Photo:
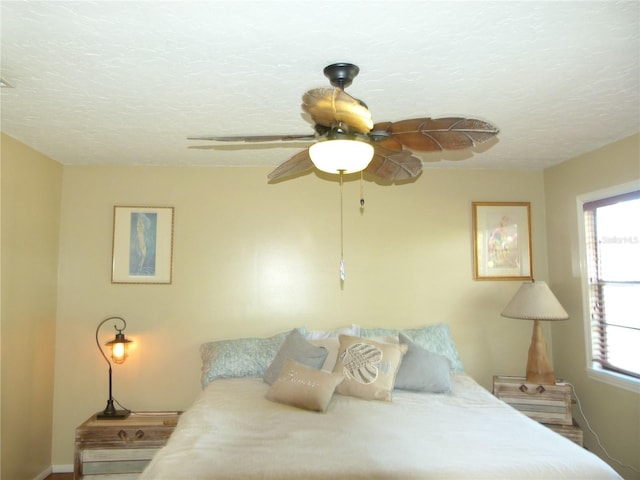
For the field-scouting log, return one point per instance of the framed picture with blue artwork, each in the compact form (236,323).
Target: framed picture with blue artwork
(502,241)
(142,245)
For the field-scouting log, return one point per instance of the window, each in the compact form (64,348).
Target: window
(612,241)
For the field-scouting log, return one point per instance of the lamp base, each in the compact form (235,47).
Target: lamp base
(110,412)
(539,368)
(114,415)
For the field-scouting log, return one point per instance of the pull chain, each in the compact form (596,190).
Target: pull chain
(341,229)
(361,191)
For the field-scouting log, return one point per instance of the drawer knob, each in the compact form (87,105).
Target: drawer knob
(524,389)
(124,436)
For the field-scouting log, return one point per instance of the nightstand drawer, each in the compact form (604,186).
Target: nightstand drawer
(116,460)
(116,435)
(543,403)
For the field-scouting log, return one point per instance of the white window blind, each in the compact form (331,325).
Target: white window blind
(612,228)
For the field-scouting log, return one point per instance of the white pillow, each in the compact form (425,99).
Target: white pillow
(353,330)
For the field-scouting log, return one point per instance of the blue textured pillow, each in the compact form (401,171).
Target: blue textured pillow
(297,348)
(435,338)
(240,357)
(422,370)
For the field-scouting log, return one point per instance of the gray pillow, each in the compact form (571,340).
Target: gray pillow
(422,370)
(295,347)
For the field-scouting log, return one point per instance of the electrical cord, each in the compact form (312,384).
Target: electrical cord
(596,436)
(120,405)
(154,413)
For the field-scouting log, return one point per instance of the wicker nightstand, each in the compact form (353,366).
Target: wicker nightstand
(547,404)
(120,448)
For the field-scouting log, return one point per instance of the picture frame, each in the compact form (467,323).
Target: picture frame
(142,245)
(502,241)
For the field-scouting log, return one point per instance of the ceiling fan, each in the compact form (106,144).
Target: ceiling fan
(338,116)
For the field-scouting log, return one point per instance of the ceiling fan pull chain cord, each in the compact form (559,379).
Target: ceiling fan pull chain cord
(341,229)
(361,190)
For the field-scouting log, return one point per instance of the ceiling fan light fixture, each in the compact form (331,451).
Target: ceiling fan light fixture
(346,156)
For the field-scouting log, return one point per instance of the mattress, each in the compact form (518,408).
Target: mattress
(233,432)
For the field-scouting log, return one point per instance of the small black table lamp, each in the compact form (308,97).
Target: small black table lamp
(118,355)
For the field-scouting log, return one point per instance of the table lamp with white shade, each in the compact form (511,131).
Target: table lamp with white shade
(535,301)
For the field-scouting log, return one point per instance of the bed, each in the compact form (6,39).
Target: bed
(247,423)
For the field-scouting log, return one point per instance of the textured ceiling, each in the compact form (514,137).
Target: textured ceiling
(126,82)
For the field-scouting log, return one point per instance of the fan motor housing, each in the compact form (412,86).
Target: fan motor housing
(341,74)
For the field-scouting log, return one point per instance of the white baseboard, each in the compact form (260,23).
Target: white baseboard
(62,468)
(42,475)
(54,469)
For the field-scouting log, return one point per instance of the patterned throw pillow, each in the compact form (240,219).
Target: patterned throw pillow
(369,367)
(239,357)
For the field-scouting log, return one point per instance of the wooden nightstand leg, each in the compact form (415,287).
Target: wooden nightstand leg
(77,465)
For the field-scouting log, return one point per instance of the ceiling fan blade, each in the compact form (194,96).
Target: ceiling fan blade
(393,165)
(328,106)
(234,147)
(384,138)
(435,134)
(299,163)
(257,138)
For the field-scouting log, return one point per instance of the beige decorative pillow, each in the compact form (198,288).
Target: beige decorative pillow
(304,387)
(369,367)
(333,345)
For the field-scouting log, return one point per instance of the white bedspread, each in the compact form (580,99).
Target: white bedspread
(233,432)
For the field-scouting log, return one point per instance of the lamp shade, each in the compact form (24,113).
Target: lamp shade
(118,347)
(535,301)
(347,156)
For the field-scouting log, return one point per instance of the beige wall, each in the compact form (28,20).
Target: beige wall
(252,258)
(31,190)
(613,412)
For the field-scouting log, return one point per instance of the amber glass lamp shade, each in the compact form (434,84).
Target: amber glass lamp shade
(118,348)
